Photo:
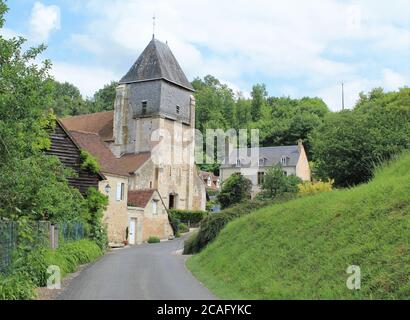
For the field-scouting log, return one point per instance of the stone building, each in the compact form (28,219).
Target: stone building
(292,159)
(150,138)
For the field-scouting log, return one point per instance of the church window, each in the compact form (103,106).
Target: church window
(144,107)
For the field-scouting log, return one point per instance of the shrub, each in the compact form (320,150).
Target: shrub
(30,271)
(188,216)
(16,286)
(277,185)
(183,228)
(154,239)
(191,245)
(212,225)
(307,188)
(235,189)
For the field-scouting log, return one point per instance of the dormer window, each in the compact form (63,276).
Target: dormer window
(261,162)
(178,109)
(284,161)
(144,107)
(238,163)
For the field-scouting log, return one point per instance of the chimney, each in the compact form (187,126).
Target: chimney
(300,145)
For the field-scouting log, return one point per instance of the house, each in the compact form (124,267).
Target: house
(211,181)
(148,216)
(292,159)
(146,143)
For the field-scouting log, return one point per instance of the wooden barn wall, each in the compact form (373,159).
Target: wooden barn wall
(69,155)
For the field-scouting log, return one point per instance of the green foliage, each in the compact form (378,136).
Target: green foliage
(188,216)
(89,163)
(16,287)
(104,98)
(259,97)
(154,239)
(94,205)
(235,189)
(37,187)
(309,188)
(183,228)
(191,245)
(213,224)
(276,184)
(303,247)
(350,144)
(30,271)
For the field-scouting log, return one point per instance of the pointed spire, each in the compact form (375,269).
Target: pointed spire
(153,26)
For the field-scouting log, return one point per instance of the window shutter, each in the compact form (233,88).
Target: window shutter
(118,195)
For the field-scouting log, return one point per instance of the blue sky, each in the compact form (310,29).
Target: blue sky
(297,48)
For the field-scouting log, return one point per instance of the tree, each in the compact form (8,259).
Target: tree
(104,98)
(259,96)
(349,144)
(235,189)
(67,99)
(276,184)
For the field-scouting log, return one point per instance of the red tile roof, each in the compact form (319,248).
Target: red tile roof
(100,123)
(132,162)
(140,198)
(92,143)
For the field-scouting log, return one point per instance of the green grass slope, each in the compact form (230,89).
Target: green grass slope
(301,249)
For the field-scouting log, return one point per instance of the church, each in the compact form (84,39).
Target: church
(145,147)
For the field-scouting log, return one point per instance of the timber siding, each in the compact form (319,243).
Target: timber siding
(64,147)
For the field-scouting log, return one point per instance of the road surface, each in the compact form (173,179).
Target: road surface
(146,272)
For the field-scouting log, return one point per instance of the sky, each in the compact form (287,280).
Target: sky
(297,48)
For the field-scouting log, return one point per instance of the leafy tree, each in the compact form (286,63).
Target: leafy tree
(259,96)
(276,184)
(235,189)
(67,99)
(350,144)
(104,98)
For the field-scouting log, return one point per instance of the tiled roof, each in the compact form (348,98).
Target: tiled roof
(92,143)
(157,62)
(140,198)
(132,162)
(100,123)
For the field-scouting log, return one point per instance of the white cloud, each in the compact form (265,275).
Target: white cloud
(263,40)
(88,78)
(44,19)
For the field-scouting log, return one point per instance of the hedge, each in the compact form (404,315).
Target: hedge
(189,216)
(212,224)
(30,271)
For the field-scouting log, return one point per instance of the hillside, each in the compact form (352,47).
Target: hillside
(301,249)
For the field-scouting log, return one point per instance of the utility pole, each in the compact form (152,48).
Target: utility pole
(343,96)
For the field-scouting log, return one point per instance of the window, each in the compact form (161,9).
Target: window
(261,177)
(238,163)
(120,192)
(154,207)
(144,107)
(209,182)
(284,160)
(178,109)
(261,162)
(285,173)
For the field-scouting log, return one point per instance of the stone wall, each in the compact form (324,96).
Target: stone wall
(116,214)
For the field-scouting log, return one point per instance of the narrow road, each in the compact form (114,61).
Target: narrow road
(146,272)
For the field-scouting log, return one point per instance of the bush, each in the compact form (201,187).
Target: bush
(154,239)
(89,163)
(235,189)
(183,228)
(30,271)
(308,188)
(191,245)
(188,216)
(16,287)
(212,225)
(277,185)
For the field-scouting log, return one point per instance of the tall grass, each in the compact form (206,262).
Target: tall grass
(301,249)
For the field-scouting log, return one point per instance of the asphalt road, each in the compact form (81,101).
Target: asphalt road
(146,272)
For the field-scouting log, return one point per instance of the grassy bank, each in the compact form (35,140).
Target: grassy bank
(301,249)
(30,272)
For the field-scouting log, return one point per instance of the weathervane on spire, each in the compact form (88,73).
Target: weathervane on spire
(153,26)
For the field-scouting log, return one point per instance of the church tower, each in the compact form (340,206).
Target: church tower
(156,95)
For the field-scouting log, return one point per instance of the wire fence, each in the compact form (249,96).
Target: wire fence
(35,234)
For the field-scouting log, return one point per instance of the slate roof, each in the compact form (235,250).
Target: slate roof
(92,143)
(157,62)
(270,155)
(100,123)
(140,198)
